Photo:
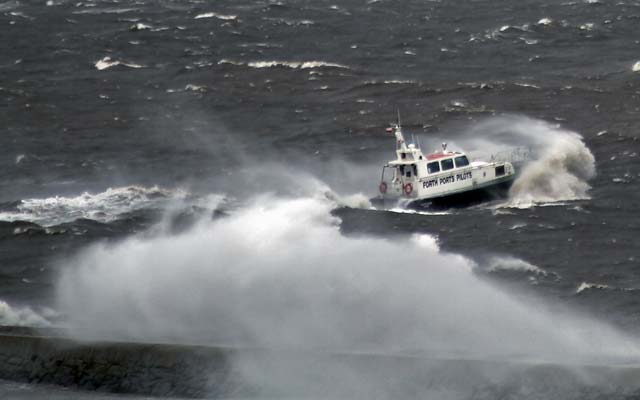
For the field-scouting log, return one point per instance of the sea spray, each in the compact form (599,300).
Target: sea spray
(559,165)
(279,273)
(20,316)
(560,172)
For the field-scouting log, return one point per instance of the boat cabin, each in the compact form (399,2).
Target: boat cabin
(414,175)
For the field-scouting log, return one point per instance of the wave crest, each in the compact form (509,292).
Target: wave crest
(104,207)
(279,273)
(20,316)
(559,173)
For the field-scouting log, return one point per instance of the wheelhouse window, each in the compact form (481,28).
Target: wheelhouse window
(433,167)
(447,164)
(461,161)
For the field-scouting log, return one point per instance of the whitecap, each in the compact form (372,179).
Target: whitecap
(545,21)
(528,85)
(588,26)
(105,206)
(560,171)
(20,316)
(139,27)
(402,210)
(587,286)
(106,10)
(216,15)
(636,67)
(529,41)
(285,64)
(231,62)
(513,264)
(195,88)
(9,5)
(108,62)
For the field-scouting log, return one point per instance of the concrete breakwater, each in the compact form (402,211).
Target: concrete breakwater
(200,371)
(136,368)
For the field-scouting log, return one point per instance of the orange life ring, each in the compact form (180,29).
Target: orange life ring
(383,187)
(408,188)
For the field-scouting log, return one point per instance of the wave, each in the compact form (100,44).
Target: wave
(108,62)
(216,15)
(513,264)
(104,207)
(20,316)
(402,210)
(560,172)
(392,82)
(285,64)
(103,10)
(557,166)
(279,273)
(587,286)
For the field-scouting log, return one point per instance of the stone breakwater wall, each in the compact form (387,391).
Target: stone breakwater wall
(48,357)
(135,368)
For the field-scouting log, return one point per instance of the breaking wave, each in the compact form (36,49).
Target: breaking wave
(513,264)
(108,62)
(216,15)
(278,272)
(558,167)
(587,286)
(560,172)
(285,64)
(104,207)
(20,316)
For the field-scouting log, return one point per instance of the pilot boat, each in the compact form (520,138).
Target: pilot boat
(441,179)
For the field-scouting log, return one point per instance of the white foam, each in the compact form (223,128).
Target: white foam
(588,26)
(507,263)
(195,88)
(586,286)
(104,207)
(545,21)
(560,171)
(108,62)
(20,316)
(392,82)
(553,164)
(401,210)
(518,226)
(140,27)
(216,15)
(285,64)
(636,67)
(94,10)
(294,64)
(278,272)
